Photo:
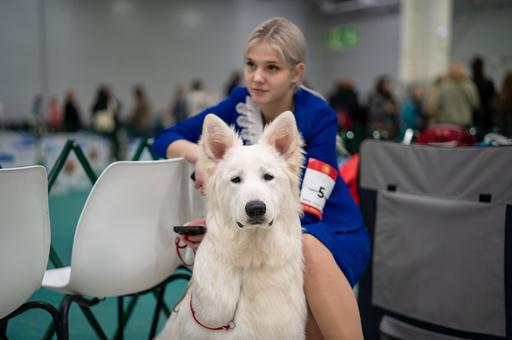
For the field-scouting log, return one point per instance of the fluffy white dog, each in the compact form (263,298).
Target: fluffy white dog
(248,274)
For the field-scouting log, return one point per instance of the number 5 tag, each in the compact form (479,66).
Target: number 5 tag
(317,186)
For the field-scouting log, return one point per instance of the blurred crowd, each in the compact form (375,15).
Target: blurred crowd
(468,100)
(108,116)
(462,98)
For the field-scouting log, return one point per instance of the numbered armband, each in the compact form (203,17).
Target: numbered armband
(319,180)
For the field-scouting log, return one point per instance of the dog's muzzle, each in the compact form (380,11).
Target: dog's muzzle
(255,211)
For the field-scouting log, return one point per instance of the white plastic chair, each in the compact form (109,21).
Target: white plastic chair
(24,240)
(124,242)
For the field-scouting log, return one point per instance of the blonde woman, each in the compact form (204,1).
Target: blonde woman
(335,241)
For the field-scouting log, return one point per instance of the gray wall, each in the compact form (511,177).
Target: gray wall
(377,52)
(485,28)
(479,27)
(20,68)
(157,43)
(49,45)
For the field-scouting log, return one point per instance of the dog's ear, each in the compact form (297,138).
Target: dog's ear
(217,137)
(283,135)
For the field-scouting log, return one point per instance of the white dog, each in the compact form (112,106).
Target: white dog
(248,274)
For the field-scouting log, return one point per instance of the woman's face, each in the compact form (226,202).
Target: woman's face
(387,86)
(270,80)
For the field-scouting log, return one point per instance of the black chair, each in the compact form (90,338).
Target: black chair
(440,221)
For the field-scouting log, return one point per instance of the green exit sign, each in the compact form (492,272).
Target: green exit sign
(342,37)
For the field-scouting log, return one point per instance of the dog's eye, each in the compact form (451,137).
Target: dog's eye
(236,179)
(268,177)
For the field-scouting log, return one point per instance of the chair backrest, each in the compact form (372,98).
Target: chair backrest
(440,220)
(124,242)
(24,234)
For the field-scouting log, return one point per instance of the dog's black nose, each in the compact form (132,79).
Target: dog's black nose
(255,209)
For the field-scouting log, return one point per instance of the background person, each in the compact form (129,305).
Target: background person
(335,240)
(344,100)
(105,118)
(72,120)
(54,115)
(197,99)
(412,115)
(483,118)
(234,81)
(503,104)
(383,108)
(179,105)
(456,98)
(141,117)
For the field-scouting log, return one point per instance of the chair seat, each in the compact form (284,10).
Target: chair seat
(58,280)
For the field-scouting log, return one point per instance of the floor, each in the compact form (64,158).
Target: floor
(64,212)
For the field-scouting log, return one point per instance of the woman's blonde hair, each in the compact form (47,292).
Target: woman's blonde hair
(282,35)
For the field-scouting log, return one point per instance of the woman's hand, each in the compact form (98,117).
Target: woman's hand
(199,179)
(193,241)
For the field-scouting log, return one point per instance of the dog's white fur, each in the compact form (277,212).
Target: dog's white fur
(253,273)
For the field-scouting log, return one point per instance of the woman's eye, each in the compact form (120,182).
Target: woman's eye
(250,64)
(273,68)
(236,179)
(268,177)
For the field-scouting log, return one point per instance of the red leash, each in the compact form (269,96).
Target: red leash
(226,327)
(179,249)
(230,325)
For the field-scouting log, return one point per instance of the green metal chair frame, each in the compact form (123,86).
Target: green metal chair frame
(28,306)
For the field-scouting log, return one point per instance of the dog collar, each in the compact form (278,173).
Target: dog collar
(230,325)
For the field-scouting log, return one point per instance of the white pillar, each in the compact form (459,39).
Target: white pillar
(425,37)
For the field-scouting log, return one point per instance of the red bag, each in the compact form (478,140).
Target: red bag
(349,171)
(447,135)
